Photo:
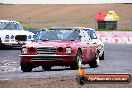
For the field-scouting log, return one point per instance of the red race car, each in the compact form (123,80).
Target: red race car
(60,47)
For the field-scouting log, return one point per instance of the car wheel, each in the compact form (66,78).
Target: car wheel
(102,57)
(0,41)
(25,67)
(1,44)
(81,80)
(77,62)
(47,68)
(95,62)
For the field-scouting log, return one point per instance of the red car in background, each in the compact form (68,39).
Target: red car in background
(60,47)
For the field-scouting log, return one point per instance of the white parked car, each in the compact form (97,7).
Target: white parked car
(12,34)
(93,35)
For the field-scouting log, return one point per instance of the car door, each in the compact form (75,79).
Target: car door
(86,47)
(92,44)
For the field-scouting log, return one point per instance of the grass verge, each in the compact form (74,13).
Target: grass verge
(30,28)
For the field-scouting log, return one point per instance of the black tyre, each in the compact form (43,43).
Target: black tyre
(102,57)
(95,62)
(0,41)
(47,68)
(81,80)
(0,44)
(78,59)
(25,67)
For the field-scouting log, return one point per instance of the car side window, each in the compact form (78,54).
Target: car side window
(85,36)
(2,25)
(10,26)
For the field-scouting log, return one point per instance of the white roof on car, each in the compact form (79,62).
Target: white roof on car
(63,28)
(8,21)
(90,29)
(67,27)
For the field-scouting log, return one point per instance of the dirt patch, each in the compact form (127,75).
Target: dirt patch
(63,11)
(43,15)
(61,82)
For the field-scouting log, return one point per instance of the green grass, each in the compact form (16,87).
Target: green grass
(23,21)
(30,28)
(35,28)
(37,21)
(30,21)
(5,4)
(44,21)
(82,22)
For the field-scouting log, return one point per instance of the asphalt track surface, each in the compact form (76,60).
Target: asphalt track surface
(118,59)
